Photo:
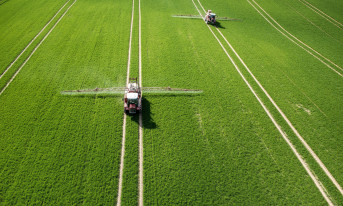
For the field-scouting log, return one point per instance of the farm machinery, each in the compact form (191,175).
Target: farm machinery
(132,93)
(209,18)
(132,97)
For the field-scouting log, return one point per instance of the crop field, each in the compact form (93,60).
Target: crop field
(267,128)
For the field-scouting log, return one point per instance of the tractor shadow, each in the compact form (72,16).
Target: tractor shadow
(218,25)
(148,121)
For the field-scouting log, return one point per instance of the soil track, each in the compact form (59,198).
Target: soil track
(283,134)
(14,61)
(296,41)
(35,49)
(122,156)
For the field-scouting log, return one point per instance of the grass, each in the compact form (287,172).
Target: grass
(215,148)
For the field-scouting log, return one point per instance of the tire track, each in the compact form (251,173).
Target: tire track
(141,154)
(122,156)
(295,36)
(322,14)
(27,46)
(311,22)
(296,41)
(35,49)
(314,178)
(308,148)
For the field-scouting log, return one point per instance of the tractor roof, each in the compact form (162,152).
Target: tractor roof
(132,95)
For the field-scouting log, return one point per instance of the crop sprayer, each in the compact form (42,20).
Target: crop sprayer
(132,93)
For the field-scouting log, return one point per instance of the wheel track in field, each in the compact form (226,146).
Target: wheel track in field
(141,154)
(29,44)
(296,41)
(140,121)
(314,24)
(322,14)
(314,178)
(308,148)
(122,156)
(35,49)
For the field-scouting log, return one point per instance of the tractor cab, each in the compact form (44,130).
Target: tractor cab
(132,101)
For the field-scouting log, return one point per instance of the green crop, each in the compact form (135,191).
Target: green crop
(217,147)
(57,149)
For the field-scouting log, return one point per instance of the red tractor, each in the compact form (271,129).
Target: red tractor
(132,97)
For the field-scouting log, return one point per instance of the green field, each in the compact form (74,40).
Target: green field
(216,148)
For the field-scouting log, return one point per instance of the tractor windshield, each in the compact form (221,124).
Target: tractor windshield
(132,101)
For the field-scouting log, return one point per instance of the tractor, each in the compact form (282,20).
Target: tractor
(132,97)
(210,17)
(132,93)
